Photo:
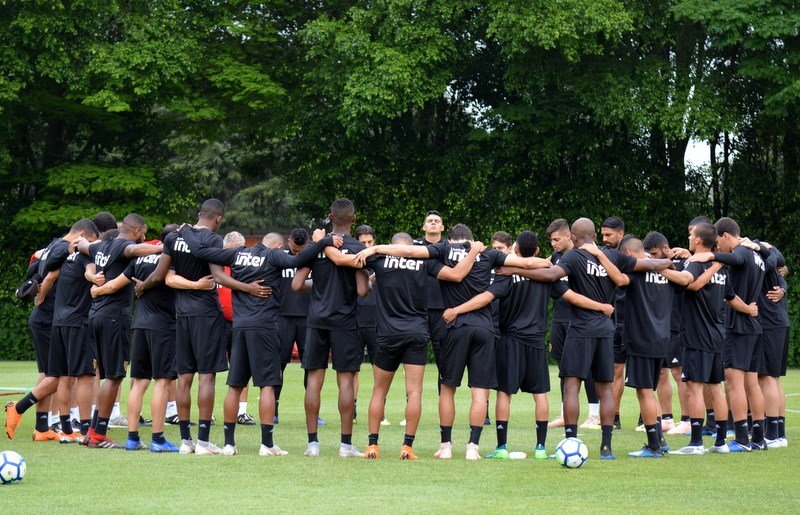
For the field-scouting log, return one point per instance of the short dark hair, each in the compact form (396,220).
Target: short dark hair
(707,234)
(727,225)
(167,229)
(626,242)
(654,239)
(212,208)
(134,221)
(104,221)
(459,232)
(702,219)
(557,225)
(503,237)
(86,226)
(613,222)
(361,230)
(433,212)
(110,234)
(402,238)
(527,243)
(299,236)
(342,210)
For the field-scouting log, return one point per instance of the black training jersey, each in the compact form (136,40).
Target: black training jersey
(477,281)
(562,312)
(366,313)
(701,316)
(333,291)
(435,300)
(52,258)
(648,305)
(190,303)
(73,298)
(523,308)
(590,279)
(293,303)
(773,314)
(747,277)
(109,258)
(677,301)
(155,309)
(402,302)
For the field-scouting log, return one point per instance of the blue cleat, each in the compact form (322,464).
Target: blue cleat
(646,452)
(134,445)
(163,447)
(606,454)
(708,432)
(760,446)
(275,420)
(321,422)
(735,446)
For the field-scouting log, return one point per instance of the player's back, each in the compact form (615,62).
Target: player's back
(187,265)
(333,293)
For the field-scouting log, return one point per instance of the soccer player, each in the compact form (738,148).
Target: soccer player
(48,268)
(613,230)
(521,357)
(366,316)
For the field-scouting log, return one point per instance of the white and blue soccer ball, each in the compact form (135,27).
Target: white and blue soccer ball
(12,467)
(572,453)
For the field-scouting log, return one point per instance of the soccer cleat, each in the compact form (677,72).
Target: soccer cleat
(321,422)
(785,441)
(206,448)
(735,446)
(56,428)
(275,420)
(271,451)
(617,424)
(134,445)
(709,431)
(102,442)
(88,436)
(76,424)
(760,446)
(145,422)
(540,453)
(719,449)
(403,423)
(445,451)
(385,422)
(312,451)
(167,446)
(556,422)
(70,438)
(407,453)
(12,419)
(245,419)
(500,453)
(173,420)
(118,422)
(487,422)
(681,428)
(776,443)
(45,436)
(591,422)
(664,445)
(646,452)
(373,452)
(230,450)
(349,451)
(474,452)
(187,447)
(667,424)
(640,428)
(689,450)
(607,454)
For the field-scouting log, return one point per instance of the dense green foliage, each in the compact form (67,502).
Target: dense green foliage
(501,114)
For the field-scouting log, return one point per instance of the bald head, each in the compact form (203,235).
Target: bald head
(273,240)
(402,238)
(583,231)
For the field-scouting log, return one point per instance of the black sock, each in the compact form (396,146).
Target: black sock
(159,437)
(591,391)
(373,439)
(25,403)
(710,421)
(347,439)
(781,427)
(502,432)
(697,431)
(685,418)
(666,416)
(102,425)
(730,420)
(133,435)
(570,430)
(652,437)
(541,432)
(659,431)
(266,435)
(408,440)
(475,434)
(758,430)
(722,431)
(772,428)
(639,423)
(607,432)
(186,432)
(312,437)
(740,427)
(203,430)
(355,409)
(749,422)
(229,429)
(617,420)
(446,433)
(94,419)
(86,423)
(66,425)
(42,418)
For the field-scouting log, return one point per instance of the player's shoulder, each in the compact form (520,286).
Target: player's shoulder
(352,244)
(170,238)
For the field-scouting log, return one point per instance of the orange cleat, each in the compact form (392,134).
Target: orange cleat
(69,438)
(407,453)
(12,419)
(45,436)
(102,442)
(373,452)
(88,436)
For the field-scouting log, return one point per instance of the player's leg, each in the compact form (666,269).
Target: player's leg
(209,346)
(315,363)
(558,333)
(481,363)
(454,355)
(141,373)
(135,400)
(414,376)
(509,365)
(230,409)
(382,381)
(755,400)
(593,419)
(664,393)
(264,350)
(620,357)
(347,354)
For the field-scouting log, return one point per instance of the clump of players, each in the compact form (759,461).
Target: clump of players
(633,313)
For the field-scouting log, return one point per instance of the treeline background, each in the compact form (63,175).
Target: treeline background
(502,114)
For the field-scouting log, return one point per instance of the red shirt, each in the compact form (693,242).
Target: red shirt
(225,299)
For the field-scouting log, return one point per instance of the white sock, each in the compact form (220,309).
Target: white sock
(52,418)
(594,409)
(74,413)
(242,408)
(115,412)
(172,409)
(94,407)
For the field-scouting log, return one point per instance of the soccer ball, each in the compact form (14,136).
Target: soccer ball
(572,453)
(12,467)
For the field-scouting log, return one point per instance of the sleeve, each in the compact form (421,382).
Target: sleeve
(781,260)
(438,251)
(57,256)
(558,289)
(496,257)
(500,287)
(729,293)
(771,259)
(696,269)
(624,263)
(166,247)
(730,258)
(130,270)
(565,262)
(304,258)
(434,267)
(208,251)
(33,268)
(782,283)
(373,260)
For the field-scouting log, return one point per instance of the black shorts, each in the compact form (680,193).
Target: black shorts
(200,345)
(153,354)
(620,348)
(701,366)
(367,337)
(586,357)
(71,352)
(408,349)
(641,372)
(785,359)
(292,331)
(41,334)
(521,367)
(742,351)
(675,351)
(558,332)
(436,329)
(112,343)
(256,353)
(344,347)
(471,348)
(773,343)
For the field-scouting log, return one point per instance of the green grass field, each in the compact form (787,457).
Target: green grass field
(73,478)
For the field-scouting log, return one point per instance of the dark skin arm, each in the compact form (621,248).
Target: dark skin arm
(254,288)
(155,278)
(542,275)
(299,282)
(704,278)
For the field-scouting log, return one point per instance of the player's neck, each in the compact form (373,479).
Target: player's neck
(433,238)
(341,229)
(700,249)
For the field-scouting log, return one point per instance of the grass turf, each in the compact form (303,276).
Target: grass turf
(70,478)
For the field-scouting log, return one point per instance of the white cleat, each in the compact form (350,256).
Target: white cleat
(349,451)
(187,447)
(272,451)
(312,451)
(385,422)
(640,428)
(785,442)
(681,428)
(230,450)
(689,450)
(445,451)
(776,443)
(591,422)
(719,449)
(667,425)
(120,421)
(473,452)
(403,423)
(203,448)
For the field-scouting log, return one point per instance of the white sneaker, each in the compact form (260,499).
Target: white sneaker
(719,449)
(473,452)
(312,451)
(120,421)
(683,427)
(689,450)
(445,451)
(591,422)
(385,422)
(271,451)
(640,428)
(403,422)
(187,447)
(776,443)
(667,424)
(230,450)
(785,442)
(206,448)
(349,451)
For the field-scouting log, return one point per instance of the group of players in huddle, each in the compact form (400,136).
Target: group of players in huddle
(636,309)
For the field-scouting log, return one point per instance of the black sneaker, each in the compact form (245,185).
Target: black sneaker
(617,423)
(759,446)
(76,424)
(245,419)
(606,454)
(56,427)
(173,420)
(146,422)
